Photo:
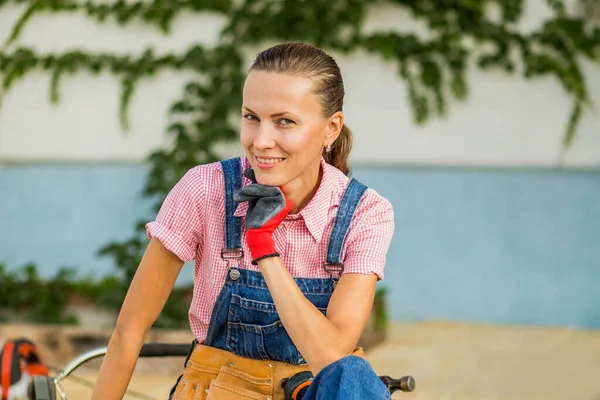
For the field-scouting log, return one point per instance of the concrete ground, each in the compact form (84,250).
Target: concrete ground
(463,362)
(479,362)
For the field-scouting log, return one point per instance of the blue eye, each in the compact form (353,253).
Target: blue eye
(285,121)
(250,117)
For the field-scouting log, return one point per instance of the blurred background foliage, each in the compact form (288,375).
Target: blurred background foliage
(461,33)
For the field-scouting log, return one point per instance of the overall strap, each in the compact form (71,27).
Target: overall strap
(350,200)
(232,174)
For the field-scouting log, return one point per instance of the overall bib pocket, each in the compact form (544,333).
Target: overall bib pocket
(254,330)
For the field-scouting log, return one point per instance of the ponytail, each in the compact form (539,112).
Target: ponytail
(340,150)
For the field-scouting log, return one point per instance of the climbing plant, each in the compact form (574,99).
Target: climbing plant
(435,67)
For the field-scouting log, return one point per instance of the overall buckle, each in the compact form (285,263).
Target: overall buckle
(232,254)
(333,267)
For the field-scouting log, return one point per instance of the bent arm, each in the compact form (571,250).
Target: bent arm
(325,339)
(321,339)
(145,299)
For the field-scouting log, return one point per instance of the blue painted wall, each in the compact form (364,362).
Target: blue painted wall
(60,215)
(518,247)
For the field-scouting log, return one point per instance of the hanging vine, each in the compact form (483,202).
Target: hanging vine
(159,13)
(434,68)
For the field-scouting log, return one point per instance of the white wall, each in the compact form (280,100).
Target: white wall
(506,121)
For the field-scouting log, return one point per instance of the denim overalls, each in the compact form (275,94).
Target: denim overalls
(245,322)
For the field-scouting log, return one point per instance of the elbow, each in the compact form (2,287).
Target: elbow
(126,343)
(129,334)
(322,362)
(331,355)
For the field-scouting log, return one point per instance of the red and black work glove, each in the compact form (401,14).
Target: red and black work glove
(267,207)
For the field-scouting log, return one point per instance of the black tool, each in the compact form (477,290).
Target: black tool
(296,386)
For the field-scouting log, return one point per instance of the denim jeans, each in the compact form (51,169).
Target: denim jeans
(347,379)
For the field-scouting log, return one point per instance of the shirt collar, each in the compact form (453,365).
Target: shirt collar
(242,208)
(315,214)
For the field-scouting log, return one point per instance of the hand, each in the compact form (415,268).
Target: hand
(267,207)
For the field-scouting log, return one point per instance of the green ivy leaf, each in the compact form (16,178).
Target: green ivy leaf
(19,25)
(572,125)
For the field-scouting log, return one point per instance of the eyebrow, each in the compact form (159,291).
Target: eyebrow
(279,114)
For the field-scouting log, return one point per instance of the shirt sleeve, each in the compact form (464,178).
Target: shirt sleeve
(179,224)
(370,237)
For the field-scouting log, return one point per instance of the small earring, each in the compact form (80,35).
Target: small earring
(328,148)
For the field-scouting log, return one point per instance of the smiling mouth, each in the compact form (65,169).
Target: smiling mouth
(271,161)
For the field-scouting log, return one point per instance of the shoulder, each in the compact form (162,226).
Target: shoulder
(373,212)
(372,204)
(370,231)
(206,179)
(201,175)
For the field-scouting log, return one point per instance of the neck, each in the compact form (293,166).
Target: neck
(302,189)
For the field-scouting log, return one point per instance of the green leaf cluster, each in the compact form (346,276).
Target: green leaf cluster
(27,296)
(23,292)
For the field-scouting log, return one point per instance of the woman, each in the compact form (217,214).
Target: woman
(287,250)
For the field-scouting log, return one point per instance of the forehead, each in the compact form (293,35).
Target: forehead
(275,92)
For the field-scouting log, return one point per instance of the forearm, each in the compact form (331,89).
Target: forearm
(117,366)
(144,301)
(319,340)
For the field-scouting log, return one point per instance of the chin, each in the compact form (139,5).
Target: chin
(268,180)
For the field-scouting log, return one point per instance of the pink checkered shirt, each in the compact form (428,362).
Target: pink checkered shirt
(191,224)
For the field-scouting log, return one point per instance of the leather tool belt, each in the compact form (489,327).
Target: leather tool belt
(215,374)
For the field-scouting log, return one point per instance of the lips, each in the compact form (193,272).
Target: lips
(269,160)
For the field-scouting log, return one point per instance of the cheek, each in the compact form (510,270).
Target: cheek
(246,135)
(301,141)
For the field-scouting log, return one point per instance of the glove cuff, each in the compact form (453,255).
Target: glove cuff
(255,261)
(261,245)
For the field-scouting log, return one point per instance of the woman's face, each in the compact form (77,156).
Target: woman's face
(283,129)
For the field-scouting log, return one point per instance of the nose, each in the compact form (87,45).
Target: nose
(265,137)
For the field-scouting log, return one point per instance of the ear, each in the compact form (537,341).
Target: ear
(334,127)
